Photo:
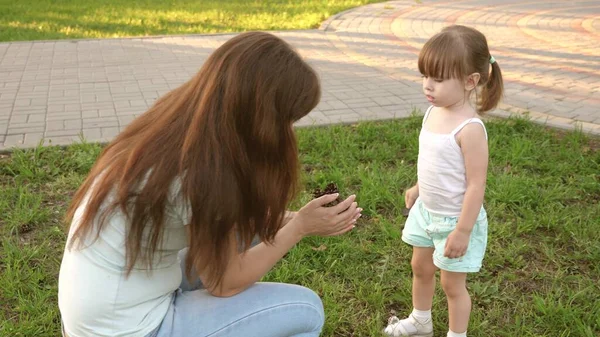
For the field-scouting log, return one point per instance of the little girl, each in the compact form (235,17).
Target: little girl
(447,224)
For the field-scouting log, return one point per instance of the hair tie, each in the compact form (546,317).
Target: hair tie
(492,60)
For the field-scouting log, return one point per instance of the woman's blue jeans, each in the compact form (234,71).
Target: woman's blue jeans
(263,310)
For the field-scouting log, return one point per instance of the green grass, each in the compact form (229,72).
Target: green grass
(541,273)
(69,19)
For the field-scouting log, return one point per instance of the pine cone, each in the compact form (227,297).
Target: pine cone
(329,189)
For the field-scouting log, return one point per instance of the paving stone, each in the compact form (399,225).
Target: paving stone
(366,58)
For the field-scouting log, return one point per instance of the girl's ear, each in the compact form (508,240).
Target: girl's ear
(472,81)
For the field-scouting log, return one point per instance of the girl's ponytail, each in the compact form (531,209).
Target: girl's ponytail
(492,90)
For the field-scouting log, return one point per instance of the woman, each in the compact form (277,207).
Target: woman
(212,165)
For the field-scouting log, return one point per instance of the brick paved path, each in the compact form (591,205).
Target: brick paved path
(549,53)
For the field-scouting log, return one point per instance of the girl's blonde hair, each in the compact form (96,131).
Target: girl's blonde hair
(458,51)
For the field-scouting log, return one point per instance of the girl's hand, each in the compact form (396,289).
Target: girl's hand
(456,244)
(315,219)
(411,196)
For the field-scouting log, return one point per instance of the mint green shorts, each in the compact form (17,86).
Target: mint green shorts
(426,229)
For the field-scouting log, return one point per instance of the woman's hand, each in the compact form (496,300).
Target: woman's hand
(244,269)
(316,219)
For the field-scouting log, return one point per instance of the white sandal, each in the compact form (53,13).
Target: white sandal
(408,327)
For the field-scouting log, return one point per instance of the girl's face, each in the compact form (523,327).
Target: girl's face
(444,93)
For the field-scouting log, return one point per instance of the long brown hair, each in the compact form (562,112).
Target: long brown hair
(458,51)
(227,135)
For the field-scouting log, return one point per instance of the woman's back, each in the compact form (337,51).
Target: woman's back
(95,295)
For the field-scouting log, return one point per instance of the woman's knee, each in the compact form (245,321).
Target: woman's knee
(304,305)
(316,302)
(292,310)
(307,304)
(265,309)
